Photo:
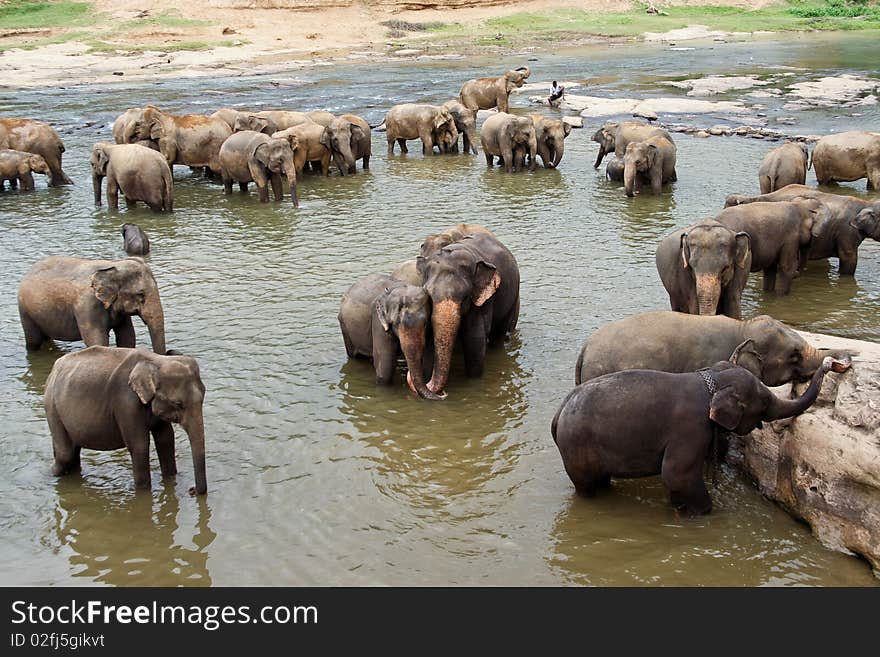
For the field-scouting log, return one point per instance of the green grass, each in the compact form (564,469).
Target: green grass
(32,14)
(96,46)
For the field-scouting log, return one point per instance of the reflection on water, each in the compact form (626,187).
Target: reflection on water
(317,476)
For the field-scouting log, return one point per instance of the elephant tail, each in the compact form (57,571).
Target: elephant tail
(577,368)
(810,161)
(169,194)
(555,421)
(378,128)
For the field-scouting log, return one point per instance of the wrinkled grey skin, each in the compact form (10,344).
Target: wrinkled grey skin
(80,299)
(615,137)
(19,167)
(348,140)
(850,222)
(486,93)
(550,135)
(434,125)
(140,173)
(668,341)
(380,317)
(408,272)
(651,161)
(39,138)
(466,124)
(250,156)
(106,398)
(848,156)
(510,138)
(704,268)
(614,169)
(640,423)
(193,140)
(134,240)
(784,165)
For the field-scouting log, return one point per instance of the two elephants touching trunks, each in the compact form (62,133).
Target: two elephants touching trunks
(463,289)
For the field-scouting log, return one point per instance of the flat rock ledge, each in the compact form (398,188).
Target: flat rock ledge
(824,466)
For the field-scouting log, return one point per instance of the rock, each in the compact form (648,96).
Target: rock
(786,120)
(646,113)
(573,121)
(118,73)
(719,130)
(822,466)
(717,84)
(228,30)
(702,134)
(403,52)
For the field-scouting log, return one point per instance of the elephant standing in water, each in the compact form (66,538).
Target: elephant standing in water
(850,222)
(434,125)
(125,129)
(134,240)
(380,317)
(307,142)
(19,167)
(250,156)
(107,398)
(474,289)
(38,138)
(615,137)
(704,268)
(142,174)
(668,341)
(509,138)
(348,140)
(486,93)
(190,139)
(408,272)
(466,124)
(550,135)
(784,165)
(80,299)
(652,162)
(640,423)
(848,156)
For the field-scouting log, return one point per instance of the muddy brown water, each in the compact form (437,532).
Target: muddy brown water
(318,476)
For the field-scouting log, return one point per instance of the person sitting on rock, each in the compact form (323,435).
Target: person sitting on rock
(556,92)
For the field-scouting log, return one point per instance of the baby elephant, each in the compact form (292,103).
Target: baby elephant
(135,241)
(639,423)
(107,398)
(250,156)
(379,318)
(141,173)
(19,167)
(614,169)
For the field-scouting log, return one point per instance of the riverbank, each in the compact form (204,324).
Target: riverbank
(70,42)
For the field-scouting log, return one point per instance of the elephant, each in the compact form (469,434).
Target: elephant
(848,156)
(107,398)
(81,299)
(509,137)
(321,117)
(551,134)
(466,124)
(615,137)
(348,139)
(140,173)
(249,156)
(780,236)
(784,165)
(239,120)
(434,125)
(650,161)
(32,136)
(408,272)
(669,341)
(125,129)
(19,167)
(380,317)
(639,423)
(190,139)
(305,141)
(614,169)
(474,290)
(284,119)
(486,93)
(851,220)
(704,268)
(134,240)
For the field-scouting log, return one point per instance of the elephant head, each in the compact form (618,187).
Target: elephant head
(445,132)
(806,154)
(173,388)
(128,288)
(338,137)
(867,221)
(456,279)
(638,161)
(515,78)
(99,160)
(521,133)
(604,136)
(37,164)
(714,254)
(742,403)
(405,312)
(551,134)
(276,155)
(255,123)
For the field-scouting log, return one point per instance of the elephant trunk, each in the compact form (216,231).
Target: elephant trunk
(813,358)
(472,138)
(708,293)
(600,156)
(445,319)
(97,180)
(629,179)
(779,409)
(290,172)
(154,317)
(195,429)
(558,152)
(412,343)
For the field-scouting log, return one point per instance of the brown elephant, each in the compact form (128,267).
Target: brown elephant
(407,271)
(551,134)
(779,237)
(651,161)
(848,156)
(704,268)
(190,139)
(850,222)
(140,173)
(305,141)
(80,299)
(321,117)
(466,124)
(615,137)
(250,156)
(19,167)
(125,129)
(434,125)
(784,165)
(509,138)
(239,120)
(348,139)
(284,119)
(486,93)
(32,136)
(107,398)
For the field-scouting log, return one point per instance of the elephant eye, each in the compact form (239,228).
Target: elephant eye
(795,357)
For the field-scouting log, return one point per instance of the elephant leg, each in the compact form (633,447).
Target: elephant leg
(27,182)
(243,187)
(770,278)
(848,260)
(803,256)
(490,159)
(163,437)
(125,336)
(264,192)
(391,141)
(657,180)
(112,192)
(277,188)
(227,183)
(130,202)
(507,156)
(33,336)
(365,162)
(583,468)
(682,473)
(474,332)
(325,164)
(787,269)
(65,452)
(138,447)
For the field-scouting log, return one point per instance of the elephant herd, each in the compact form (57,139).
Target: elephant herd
(660,408)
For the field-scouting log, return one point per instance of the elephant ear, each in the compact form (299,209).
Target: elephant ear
(743,249)
(381,313)
(421,266)
(325,138)
(357,132)
(685,249)
(487,280)
(651,155)
(725,408)
(101,160)
(746,356)
(566,128)
(440,119)
(106,284)
(261,154)
(143,379)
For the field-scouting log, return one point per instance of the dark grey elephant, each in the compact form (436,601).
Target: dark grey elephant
(134,240)
(250,156)
(348,140)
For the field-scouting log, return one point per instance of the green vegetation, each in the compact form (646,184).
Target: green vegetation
(33,14)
